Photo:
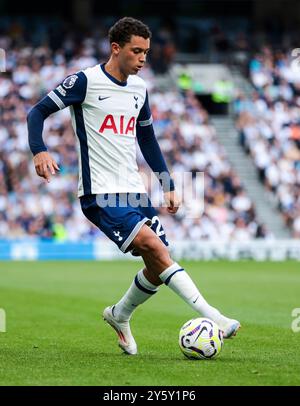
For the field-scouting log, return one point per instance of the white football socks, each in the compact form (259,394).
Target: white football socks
(140,291)
(180,282)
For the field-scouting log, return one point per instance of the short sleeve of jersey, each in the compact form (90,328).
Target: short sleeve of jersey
(71,91)
(145,117)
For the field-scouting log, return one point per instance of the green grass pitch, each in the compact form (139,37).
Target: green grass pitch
(55,335)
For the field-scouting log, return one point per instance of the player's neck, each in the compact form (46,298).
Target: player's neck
(114,70)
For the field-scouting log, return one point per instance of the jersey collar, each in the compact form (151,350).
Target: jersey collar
(116,81)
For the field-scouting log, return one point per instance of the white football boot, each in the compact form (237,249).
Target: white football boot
(126,340)
(230,328)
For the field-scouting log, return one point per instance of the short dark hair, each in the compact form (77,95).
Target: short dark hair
(123,29)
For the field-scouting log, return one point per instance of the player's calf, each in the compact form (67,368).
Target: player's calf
(155,254)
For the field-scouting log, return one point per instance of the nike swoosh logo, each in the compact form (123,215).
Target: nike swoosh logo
(103,98)
(196,300)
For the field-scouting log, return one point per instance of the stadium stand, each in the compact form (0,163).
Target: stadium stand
(269,128)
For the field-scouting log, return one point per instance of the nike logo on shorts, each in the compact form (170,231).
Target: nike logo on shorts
(103,98)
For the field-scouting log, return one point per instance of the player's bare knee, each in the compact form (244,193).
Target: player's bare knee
(157,250)
(146,244)
(143,238)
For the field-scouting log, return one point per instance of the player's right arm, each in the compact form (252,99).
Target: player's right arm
(71,91)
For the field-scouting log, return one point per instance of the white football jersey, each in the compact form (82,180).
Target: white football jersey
(104,114)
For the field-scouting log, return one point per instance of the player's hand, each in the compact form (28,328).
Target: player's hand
(45,165)
(173,201)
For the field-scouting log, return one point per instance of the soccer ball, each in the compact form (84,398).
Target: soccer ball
(200,338)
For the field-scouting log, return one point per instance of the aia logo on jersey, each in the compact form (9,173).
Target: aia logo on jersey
(118,125)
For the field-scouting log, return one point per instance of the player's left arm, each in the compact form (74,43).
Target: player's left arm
(153,156)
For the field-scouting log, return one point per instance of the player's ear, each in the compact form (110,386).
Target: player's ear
(115,48)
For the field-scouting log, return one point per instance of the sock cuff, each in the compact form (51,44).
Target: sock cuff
(143,284)
(168,273)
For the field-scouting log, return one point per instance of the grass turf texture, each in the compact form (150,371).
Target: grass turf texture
(55,335)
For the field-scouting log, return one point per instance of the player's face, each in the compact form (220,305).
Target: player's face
(132,56)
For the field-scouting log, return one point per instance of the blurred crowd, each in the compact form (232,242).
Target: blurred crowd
(190,145)
(269,126)
(31,208)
